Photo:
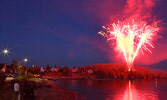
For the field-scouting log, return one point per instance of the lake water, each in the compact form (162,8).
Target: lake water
(116,89)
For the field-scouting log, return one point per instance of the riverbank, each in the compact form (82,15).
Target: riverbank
(71,78)
(50,91)
(44,89)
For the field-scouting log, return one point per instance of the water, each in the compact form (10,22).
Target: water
(117,89)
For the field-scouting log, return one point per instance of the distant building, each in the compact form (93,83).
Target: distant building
(3,67)
(52,69)
(45,70)
(74,70)
(3,70)
(55,69)
(90,71)
(42,70)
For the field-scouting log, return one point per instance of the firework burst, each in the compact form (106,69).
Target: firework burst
(130,37)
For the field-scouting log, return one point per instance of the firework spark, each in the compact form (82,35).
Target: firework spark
(130,37)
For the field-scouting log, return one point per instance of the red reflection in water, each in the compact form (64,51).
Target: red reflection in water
(131,93)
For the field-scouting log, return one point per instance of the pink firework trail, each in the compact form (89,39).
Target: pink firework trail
(131,37)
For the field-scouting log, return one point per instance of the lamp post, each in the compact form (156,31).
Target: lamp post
(26,61)
(5,51)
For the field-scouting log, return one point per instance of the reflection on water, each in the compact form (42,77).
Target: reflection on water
(116,89)
(131,93)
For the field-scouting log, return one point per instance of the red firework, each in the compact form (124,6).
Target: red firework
(131,37)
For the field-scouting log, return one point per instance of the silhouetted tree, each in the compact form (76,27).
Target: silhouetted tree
(60,69)
(55,66)
(48,68)
(66,71)
(16,65)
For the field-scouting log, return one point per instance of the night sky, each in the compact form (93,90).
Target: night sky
(64,32)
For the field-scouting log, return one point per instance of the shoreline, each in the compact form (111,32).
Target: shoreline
(45,90)
(50,91)
(98,79)
(72,78)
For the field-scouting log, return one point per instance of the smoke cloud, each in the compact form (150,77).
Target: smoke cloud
(140,7)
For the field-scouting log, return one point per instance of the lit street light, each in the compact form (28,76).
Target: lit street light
(25,60)
(5,52)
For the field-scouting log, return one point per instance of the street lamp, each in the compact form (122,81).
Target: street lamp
(25,60)
(5,52)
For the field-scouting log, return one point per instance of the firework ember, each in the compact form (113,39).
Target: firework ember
(131,37)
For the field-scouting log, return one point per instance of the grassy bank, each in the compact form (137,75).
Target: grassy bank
(50,91)
(43,89)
